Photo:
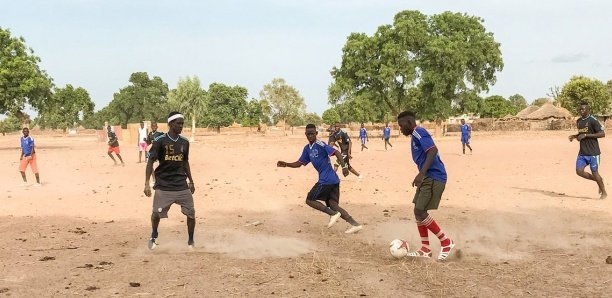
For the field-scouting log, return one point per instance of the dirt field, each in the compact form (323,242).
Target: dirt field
(523,222)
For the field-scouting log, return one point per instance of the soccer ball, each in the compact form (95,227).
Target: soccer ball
(398,248)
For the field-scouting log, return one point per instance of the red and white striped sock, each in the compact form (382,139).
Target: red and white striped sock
(431,224)
(423,232)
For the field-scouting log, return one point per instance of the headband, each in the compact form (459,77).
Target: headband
(174,117)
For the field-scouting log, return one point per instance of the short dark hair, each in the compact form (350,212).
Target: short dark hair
(173,113)
(584,103)
(153,122)
(406,114)
(310,125)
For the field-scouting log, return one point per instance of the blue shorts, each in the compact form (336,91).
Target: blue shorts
(363,140)
(465,140)
(584,160)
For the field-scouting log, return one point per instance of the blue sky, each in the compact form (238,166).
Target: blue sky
(97,44)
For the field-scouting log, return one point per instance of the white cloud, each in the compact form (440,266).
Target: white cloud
(570,58)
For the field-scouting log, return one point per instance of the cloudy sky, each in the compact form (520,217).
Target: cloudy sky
(97,44)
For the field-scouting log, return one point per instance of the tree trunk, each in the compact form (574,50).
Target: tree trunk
(438,130)
(193,128)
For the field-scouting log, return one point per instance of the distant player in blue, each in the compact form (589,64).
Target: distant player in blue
(28,157)
(589,130)
(363,136)
(327,189)
(430,183)
(387,135)
(466,135)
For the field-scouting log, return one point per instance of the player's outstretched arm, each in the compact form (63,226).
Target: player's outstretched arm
(148,172)
(284,164)
(340,161)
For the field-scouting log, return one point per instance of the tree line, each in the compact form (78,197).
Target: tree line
(436,65)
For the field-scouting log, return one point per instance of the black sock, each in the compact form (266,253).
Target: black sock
(352,222)
(190,229)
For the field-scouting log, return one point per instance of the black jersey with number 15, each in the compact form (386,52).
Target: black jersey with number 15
(172,154)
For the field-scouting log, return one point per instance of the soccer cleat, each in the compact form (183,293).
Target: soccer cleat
(444,254)
(190,245)
(354,229)
(152,243)
(24,184)
(37,184)
(333,219)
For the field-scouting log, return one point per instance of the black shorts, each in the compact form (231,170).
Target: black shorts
(324,192)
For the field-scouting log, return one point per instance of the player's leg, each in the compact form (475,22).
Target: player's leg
(389,142)
(334,203)
(34,167)
(437,188)
(110,154)
(581,163)
(185,199)
(320,192)
(421,198)
(120,159)
(23,164)
(463,147)
(161,204)
(469,147)
(594,164)
(139,156)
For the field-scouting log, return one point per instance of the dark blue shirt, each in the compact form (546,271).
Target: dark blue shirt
(318,153)
(387,132)
(465,130)
(421,143)
(27,145)
(362,133)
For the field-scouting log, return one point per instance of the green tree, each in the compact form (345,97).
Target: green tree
(495,106)
(10,124)
(21,79)
(285,101)
(330,116)
(253,115)
(67,107)
(441,55)
(188,98)
(141,100)
(312,118)
(581,88)
(541,101)
(517,103)
(224,105)
(468,102)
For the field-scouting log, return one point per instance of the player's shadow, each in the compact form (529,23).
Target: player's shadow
(553,194)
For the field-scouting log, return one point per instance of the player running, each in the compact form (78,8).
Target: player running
(430,183)
(466,135)
(113,146)
(346,145)
(171,187)
(589,130)
(28,157)
(327,189)
(363,136)
(387,135)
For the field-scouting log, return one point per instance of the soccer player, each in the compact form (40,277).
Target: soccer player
(171,187)
(430,183)
(346,145)
(327,189)
(589,130)
(363,136)
(113,146)
(387,135)
(28,156)
(142,141)
(466,135)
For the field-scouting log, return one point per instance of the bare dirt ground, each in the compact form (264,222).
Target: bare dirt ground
(524,223)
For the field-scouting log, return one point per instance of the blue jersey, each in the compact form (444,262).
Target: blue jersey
(27,145)
(465,130)
(421,143)
(362,133)
(387,132)
(318,153)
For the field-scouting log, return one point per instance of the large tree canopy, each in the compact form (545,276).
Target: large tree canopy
(21,79)
(141,100)
(441,55)
(188,98)
(592,91)
(225,105)
(66,108)
(285,101)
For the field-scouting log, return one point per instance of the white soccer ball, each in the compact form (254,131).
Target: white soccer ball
(398,248)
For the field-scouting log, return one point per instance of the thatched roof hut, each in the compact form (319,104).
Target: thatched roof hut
(549,111)
(526,111)
(508,117)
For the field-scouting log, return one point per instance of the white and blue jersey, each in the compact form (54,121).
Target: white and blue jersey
(421,143)
(387,132)
(27,145)
(318,154)
(465,133)
(363,133)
